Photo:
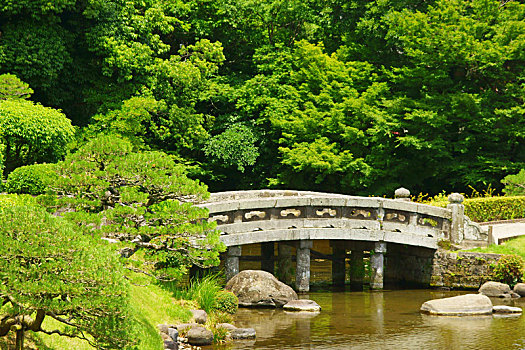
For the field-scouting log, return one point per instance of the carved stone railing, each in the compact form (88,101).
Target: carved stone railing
(275,215)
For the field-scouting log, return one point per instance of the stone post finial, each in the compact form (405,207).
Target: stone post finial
(456,198)
(458,217)
(402,194)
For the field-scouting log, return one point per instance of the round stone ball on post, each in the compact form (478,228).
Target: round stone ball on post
(402,194)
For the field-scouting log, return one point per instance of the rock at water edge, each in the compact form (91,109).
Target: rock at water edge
(227,326)
(260,288)
(504,309)
(494,289)
(199,336)
(520,289)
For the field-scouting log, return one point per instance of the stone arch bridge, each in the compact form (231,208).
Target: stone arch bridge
(357,224)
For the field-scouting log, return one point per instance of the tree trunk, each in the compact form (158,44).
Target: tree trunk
(19,343)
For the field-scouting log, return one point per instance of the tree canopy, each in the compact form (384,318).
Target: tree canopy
(32,133)
(143,198)
(341,96)
(49,269)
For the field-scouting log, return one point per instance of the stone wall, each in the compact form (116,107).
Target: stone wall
(462,270)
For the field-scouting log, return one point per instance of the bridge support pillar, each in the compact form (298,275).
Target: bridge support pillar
(284,263)
(377,261)
(267,257)
(357,270)
(302,271)
(232,261)
(338,263)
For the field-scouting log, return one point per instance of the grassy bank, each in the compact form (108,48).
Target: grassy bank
(151,305)
(514,246)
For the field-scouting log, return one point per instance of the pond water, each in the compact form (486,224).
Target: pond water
(378,320)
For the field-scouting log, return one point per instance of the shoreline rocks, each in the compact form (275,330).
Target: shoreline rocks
(497,290)
(520,289)
(199,316)
(199,336)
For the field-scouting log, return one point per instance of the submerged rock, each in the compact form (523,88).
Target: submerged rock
(260,288)
(242,333)
(463,305)
(302,305)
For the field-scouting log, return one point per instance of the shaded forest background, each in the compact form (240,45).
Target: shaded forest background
(357,97)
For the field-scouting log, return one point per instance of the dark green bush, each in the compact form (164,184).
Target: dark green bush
(510,269)
(30,179)
(226,301)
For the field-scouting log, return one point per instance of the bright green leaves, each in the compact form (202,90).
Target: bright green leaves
(235,147)
(32,133)
(328,113)
(458,88)
(48,267)
(36,51)
(141,196)
(12,88)
(514,184)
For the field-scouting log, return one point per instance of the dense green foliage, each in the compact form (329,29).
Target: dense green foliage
(30,179)
(32,133)
(515,184)
(143,197)
(49,269)
(510,269)
(12,88)
(351,96)
(226,301)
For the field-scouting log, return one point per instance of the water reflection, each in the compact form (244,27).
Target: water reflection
(378,320)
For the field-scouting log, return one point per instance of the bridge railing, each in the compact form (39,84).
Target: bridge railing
(276,210)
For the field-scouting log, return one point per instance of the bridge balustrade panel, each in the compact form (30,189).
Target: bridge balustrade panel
(262,216)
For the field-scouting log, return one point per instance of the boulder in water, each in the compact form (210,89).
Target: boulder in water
(302,305)
(260,288)
(463,305)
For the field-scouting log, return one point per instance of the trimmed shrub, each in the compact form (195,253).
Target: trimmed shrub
(30,179)
(495,208)
(510,269)
(484,209)
(226,301)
